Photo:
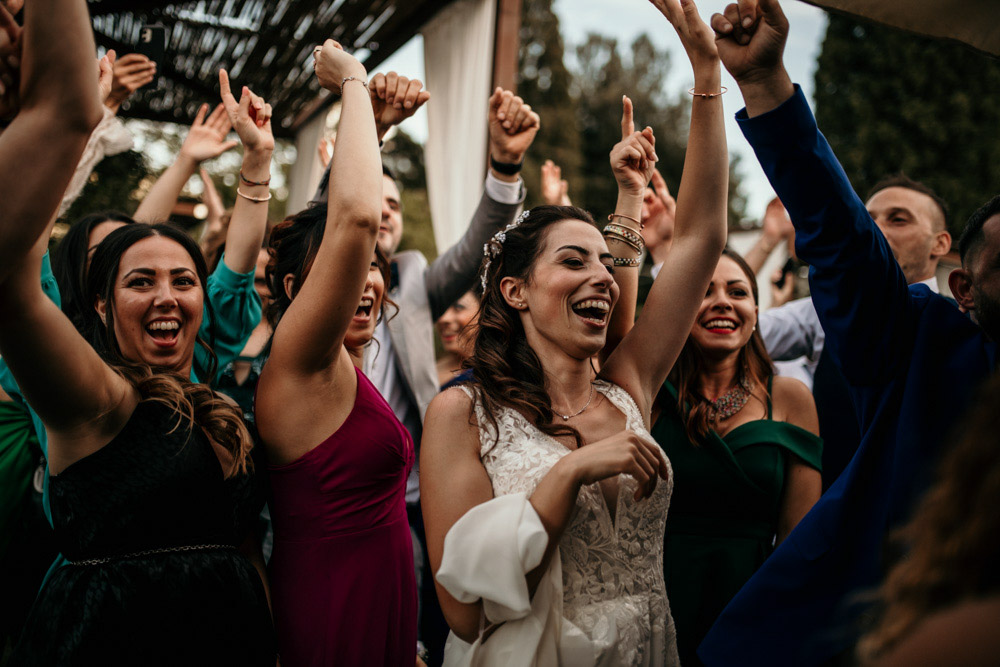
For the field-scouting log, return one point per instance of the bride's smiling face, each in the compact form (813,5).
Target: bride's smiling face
(570,292)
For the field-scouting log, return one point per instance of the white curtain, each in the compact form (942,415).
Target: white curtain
(305,173)
(458,65)
(971,21)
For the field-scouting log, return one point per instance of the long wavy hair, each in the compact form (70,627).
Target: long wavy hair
(69,265)
(293,246)
(507,371)
(220,420)
(753,366)
(953,541)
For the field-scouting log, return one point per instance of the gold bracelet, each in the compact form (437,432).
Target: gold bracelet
(612,217)
(622,231)
(256,200)
(708,96)
(623,241)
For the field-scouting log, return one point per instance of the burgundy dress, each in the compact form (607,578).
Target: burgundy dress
(342,581)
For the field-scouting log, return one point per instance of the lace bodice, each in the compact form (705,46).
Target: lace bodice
(613,586)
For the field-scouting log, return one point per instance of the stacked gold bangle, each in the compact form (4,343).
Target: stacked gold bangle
(627,236)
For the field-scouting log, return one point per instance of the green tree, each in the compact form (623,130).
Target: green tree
(602,77)
(113,185)
(546,84)
(891,102)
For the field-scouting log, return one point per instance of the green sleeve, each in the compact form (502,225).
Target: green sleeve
(237,312)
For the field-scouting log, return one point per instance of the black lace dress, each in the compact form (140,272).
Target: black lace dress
(150,526)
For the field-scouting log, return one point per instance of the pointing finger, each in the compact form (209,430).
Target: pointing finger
(628,125)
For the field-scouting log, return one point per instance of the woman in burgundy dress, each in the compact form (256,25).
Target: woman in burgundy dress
(343,588)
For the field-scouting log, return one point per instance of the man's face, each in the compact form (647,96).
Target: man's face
(391,229)
(985,269)
(912,224)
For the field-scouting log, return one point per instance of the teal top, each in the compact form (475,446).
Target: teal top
(237,312)
(723,513)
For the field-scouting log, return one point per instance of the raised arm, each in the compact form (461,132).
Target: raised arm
(775,229)
(251,118)
(644,358)
(56,105)
(59,374)
(205,140)
(311,333)
(633,162)
(854,277)
(512,128)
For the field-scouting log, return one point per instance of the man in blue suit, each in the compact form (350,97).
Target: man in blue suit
(912,360)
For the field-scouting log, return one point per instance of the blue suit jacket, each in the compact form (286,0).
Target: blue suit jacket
(913,361)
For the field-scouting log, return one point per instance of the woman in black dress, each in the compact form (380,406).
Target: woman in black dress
(151,481)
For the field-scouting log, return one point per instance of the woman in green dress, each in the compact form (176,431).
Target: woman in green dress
(746,454)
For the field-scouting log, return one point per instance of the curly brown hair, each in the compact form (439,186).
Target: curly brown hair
(953,540)
(220,420)
(753,364)
(506,371)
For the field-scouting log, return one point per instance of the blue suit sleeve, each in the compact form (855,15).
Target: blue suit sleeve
(857,287)
(237,312)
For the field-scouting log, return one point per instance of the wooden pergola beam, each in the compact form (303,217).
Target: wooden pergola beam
(507,44)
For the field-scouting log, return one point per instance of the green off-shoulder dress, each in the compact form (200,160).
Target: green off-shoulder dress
(723,513)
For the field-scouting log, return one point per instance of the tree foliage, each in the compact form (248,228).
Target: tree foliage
(891,102)
(581,109)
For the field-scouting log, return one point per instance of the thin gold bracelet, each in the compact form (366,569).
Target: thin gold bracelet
(611,218)
(708,96)
(256,200)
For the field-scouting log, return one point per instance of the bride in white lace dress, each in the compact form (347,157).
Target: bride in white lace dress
(544,496)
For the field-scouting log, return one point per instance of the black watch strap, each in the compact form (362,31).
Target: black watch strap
(506,168)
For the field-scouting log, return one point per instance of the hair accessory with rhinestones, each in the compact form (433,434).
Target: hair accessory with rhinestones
(494,246)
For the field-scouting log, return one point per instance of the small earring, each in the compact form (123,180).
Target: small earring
(754,328)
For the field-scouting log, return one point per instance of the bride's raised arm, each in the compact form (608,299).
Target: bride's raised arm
(642,361)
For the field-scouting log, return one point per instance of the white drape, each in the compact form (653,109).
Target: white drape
(971,21)
(458,65)
(306,171)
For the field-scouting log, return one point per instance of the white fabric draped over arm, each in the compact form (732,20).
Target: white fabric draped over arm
(487,554)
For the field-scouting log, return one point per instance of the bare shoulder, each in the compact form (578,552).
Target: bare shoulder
(450,403)
(449,424)
(794,403)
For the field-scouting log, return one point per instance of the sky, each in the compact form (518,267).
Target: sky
(625,20)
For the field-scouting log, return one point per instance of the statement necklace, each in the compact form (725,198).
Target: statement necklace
(566,418)
(731,402)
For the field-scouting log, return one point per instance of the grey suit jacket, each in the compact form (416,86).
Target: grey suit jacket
(425,292)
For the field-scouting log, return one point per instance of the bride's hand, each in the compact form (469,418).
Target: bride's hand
(698,39)
(625,452)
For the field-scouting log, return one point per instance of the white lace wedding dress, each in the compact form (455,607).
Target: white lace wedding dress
(612,570)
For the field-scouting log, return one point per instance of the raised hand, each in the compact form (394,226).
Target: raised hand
(250,117)
(633,159)
(324,151)
(106,74)
(394,99)
(555,191)
(332,65)
(696,37)
(783,294)
(658,211)
(207,137)
(10,65)
(513,126)
(777,226)
(132,72)
(751,41)
(625,452)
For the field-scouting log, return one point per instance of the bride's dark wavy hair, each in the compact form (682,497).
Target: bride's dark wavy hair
(507,371)
(219,419)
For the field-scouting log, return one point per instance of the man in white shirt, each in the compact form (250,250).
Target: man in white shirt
(913,220)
